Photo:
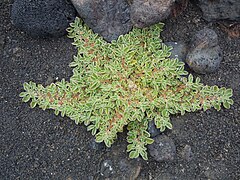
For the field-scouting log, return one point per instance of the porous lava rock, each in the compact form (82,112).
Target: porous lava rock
(204,55)
(146,13)
(109,19)
(40,18)
(214,10)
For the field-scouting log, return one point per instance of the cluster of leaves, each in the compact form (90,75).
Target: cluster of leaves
(127,82)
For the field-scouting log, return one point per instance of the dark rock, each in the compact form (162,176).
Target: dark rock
(179,50)
(220,9)
(205,54)
(40,18)
(145,13)
(152,129)
(163,149)
(109,19)
(187,153)
(116,165)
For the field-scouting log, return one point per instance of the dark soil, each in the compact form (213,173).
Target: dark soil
(35,144)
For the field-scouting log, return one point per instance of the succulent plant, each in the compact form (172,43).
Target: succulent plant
(126,83)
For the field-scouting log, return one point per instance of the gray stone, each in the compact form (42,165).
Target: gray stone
(179,50)
(163,149)
(145,13)
(152,129)
(109,19)
(220,9)
(40,18)
(204,55)
(187,153)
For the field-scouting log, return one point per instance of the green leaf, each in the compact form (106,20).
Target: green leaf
(190,78)
(182,112)
(229,92)
(162,128)
(230,101)
(149,140)
(56,112)
(158,123)
(165,113)
(94,85)
(197,80)
(26,98)
(217,106)
(168,125)
(33,104)
(107,142)
(144,155)
(99,138)
(90,127)
(23,94)
(63,112)
(73,64)
(26,86)
(133,154)
(226,105)
(44,106)
(130,147)
(215,88)
(145,133)
(94,131)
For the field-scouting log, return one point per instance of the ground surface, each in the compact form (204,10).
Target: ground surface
(35,144)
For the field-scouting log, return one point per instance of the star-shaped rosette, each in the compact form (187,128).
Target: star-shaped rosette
(126,83)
